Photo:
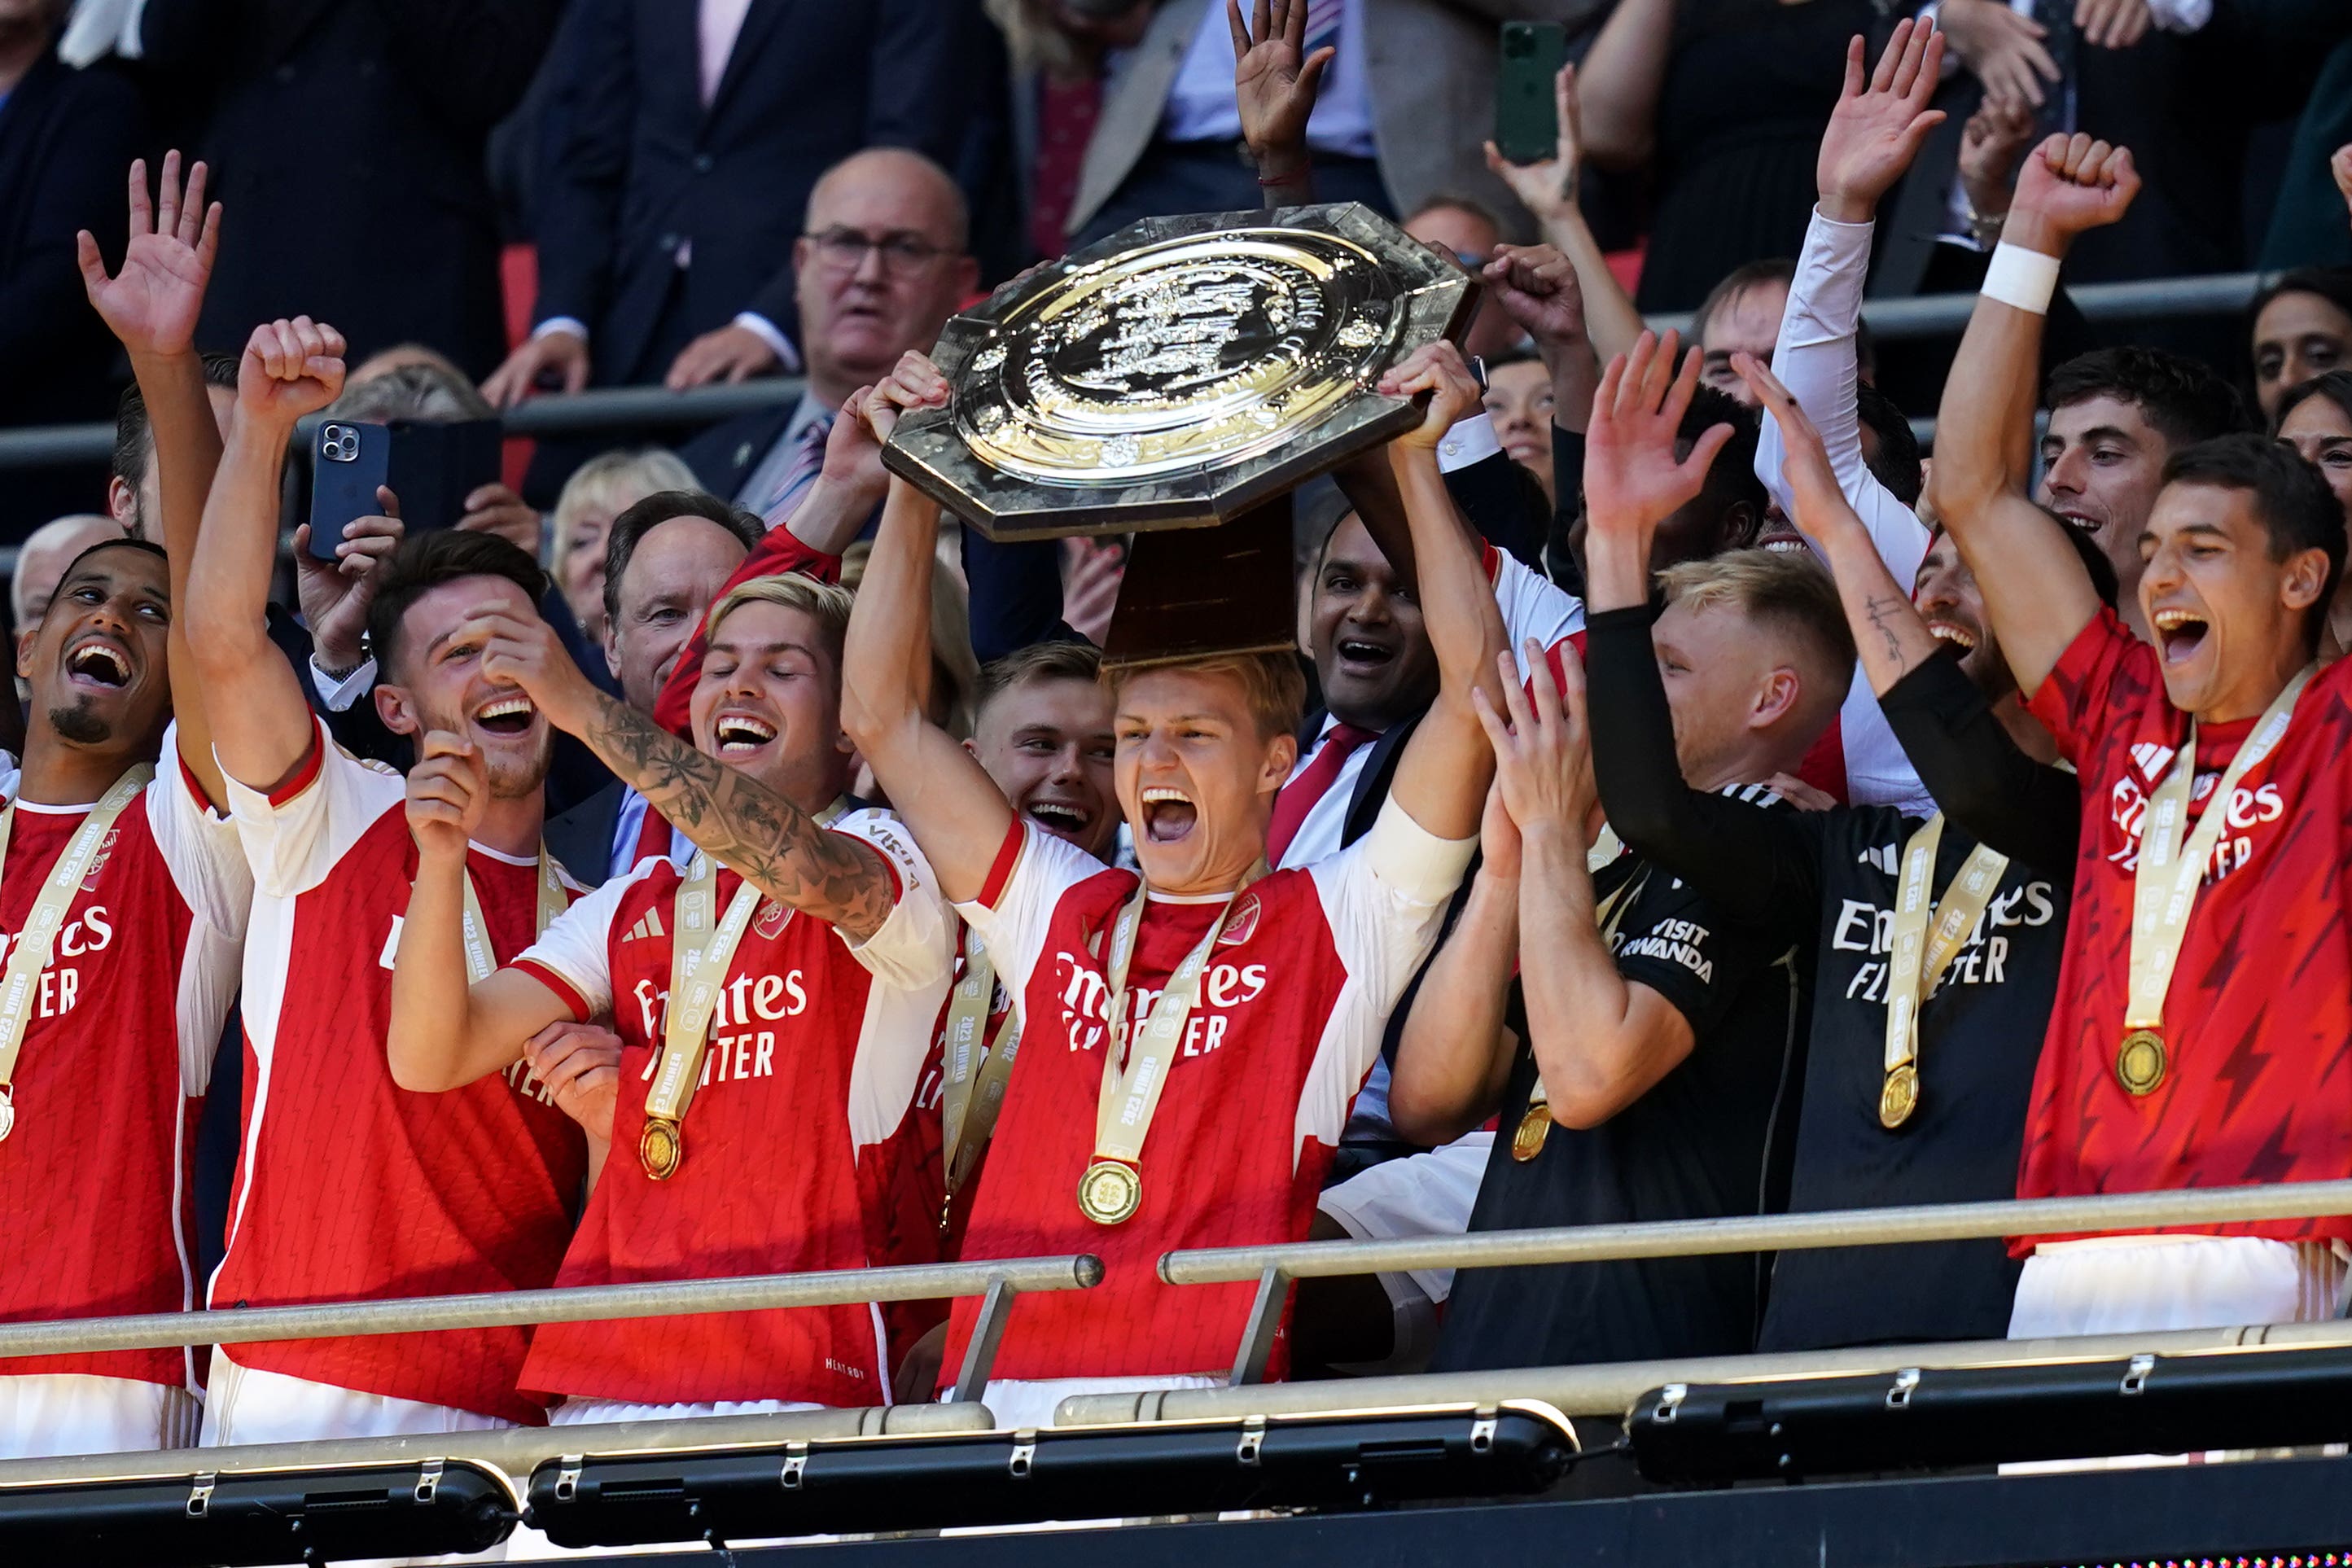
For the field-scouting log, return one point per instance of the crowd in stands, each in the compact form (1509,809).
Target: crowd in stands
(1685,799)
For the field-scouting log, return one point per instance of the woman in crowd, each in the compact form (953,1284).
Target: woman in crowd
(599,491)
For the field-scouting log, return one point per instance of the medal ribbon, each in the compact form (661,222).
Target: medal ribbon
(697,970)
(1920,955)
(1130,1095)
(975,1082)
(2165,882)
(480,962)
(19,983)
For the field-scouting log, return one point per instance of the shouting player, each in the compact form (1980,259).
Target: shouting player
(123,897)
(2202,1021)
(350,1187)
(788,1004)
(1193,1036)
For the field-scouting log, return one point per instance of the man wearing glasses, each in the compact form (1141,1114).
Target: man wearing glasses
(878,268)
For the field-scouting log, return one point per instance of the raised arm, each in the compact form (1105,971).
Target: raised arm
(1275,84)
(1601,1041)
(753,830)
(1874,133)
(1455,1051)
(1548,190)
(444,1033)
(1632,481)
(289,369)
(151,305)
(1889,633)
(2036,592)
(954,809)
(1441,780)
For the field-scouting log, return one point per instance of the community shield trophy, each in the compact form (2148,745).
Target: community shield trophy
(1179,372)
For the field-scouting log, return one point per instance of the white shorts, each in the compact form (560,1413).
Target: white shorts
(585,1411)
(49,1414)
(244,1404)
(1026,1404)
(2145,1284)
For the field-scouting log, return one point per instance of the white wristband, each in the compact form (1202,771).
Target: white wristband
(2022,277)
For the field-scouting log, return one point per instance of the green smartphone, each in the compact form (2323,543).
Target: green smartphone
(1526,114)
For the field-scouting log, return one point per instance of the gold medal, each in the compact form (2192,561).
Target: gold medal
(2140,1062)
(1109,1193)
(1528,1142)
(661,1148)
(1898,1097)
(7,1112)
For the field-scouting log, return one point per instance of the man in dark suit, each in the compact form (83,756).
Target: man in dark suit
(349,135)
(683,139)
(66,136)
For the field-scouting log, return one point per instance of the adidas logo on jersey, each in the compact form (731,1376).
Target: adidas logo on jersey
(1884,858)
(2151,759)
(649,925)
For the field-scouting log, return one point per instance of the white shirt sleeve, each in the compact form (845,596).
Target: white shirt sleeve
(916,945)
(294,836)
(1472,439)
(1016,907)
(576,948)
(199,846)
(1384,899)
(1533,606)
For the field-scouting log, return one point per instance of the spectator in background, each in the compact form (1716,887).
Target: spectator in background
(880,268)
(599,491)
(1741,314)
(1057,48)
(1519,399)
(368,120)
(1469,232)
(130,498)
(2315,419)
(66,136)
(1168,138)
(2302,326)
(1724,102)
(676,159)
(43,558)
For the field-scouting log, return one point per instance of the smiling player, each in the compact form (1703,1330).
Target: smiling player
(2201,1028)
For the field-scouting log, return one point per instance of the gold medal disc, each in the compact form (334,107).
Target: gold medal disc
(661,1148)
(2140,1062)
(1528,1139)
(1898,1097)
(1109,1193)
(7,1112)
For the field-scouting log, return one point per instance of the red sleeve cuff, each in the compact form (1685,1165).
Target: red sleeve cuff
(196,788)
(305,772)
(1008,855)
(556,983)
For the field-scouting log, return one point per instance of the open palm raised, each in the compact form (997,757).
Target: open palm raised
(152,303)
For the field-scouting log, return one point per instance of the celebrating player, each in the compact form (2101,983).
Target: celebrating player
(125,895)
(788,1005)
(2200,1033)
(1193,1036)
(348,1186)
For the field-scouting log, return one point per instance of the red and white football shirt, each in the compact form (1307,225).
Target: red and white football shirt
(2259,1020)
(349,1187)
(922,1162)
(94,1198)
(1289,1019)
(816,1046)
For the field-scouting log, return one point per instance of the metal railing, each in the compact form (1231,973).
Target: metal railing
(635,407)
(1276,1267)
(996,1282)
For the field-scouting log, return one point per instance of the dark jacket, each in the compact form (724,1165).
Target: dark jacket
(581,837)
(634,165)
(346,140)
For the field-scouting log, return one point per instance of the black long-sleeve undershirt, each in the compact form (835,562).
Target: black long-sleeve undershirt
(2030,811)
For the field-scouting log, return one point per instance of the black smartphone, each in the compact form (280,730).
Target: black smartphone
(1527,112)
(432,467)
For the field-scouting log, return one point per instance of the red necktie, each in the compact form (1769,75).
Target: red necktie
(1299,795)
(653,838)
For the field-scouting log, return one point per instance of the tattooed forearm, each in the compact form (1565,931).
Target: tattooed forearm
(1885,615)
(745,825)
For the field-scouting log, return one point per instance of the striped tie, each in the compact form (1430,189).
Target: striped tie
(808,457)
(1322,25)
